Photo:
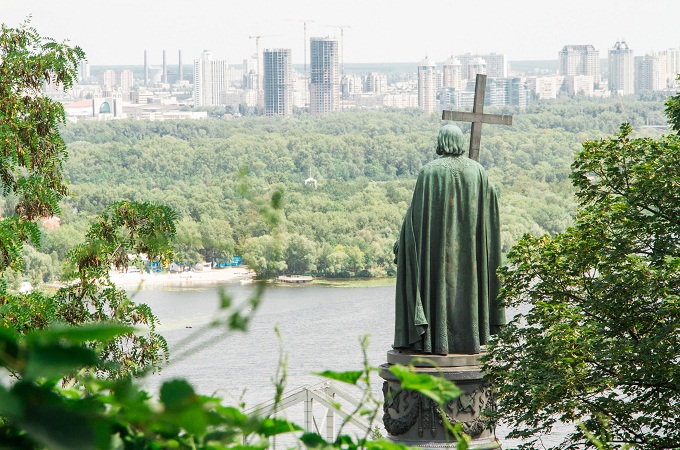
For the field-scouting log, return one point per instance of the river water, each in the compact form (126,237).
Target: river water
(320,328)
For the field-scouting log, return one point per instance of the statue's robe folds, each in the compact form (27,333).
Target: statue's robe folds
(448,253)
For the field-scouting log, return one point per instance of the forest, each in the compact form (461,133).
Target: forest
(217,173)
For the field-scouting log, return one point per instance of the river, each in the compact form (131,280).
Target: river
(320,328)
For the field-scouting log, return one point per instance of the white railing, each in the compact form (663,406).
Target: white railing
(323,394)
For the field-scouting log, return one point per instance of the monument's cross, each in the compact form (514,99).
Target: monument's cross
(477,117)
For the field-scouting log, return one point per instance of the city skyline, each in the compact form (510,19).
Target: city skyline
(374,31)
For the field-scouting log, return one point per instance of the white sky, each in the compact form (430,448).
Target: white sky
(118,31)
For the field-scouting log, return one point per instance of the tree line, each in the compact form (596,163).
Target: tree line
(364,163)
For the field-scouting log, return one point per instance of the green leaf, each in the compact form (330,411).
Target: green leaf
(313,440)
(194,420)
(60,428)
(10,405)
(101,331)
(436,388)
(272,426)
(177,394)
(350,377)
(57,360)
(383,444)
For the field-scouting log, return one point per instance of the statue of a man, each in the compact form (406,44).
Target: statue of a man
(447,255)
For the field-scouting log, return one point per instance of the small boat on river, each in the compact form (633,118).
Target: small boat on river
(295,278)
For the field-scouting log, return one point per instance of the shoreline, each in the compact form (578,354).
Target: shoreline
(150,281)
(208,278)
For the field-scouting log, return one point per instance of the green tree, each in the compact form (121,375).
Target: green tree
(596,340)
(264,255)
(217,239)
(32,149)
(300,254)
(33,181)
(189,242)
(673,111)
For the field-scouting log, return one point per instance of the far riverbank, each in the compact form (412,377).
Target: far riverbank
(153,281)
(207,278)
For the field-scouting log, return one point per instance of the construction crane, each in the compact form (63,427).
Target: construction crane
(304,38)
(258,73)
(342,45)
(257,58)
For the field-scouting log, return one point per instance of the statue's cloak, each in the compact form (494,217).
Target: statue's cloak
(448,254)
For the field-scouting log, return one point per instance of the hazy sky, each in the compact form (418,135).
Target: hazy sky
(118,31)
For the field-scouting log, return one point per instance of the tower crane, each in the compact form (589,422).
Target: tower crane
(304,38)
(342,45)
(258,73)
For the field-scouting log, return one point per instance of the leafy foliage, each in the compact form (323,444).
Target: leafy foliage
(673,112)
(96,413)
(125,229)
(596,340)
(33,182)
(32,149)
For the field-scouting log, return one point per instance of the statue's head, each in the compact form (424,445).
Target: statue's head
(450,140)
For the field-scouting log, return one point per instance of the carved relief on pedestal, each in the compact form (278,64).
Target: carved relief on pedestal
(403,409)
(469,409)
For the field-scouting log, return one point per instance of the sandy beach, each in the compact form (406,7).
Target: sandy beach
(196,278)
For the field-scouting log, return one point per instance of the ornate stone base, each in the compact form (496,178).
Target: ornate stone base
(415,420)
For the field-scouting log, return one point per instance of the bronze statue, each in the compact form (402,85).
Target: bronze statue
(447,255)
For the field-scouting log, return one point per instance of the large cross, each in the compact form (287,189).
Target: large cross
(477,117)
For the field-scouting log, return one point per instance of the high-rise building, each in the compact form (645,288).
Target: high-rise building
(579,60)
(452,73)
(427,86)
(351,85)
(476,66)
(518,92)
(127,79)
(324,76)
(672,65)
(146,69)
(650,72)
(211,79)
(164,79)
(375,83)
(180,71)
(278,82)
(83,72)
(108,78)
(496,65)
(621,69)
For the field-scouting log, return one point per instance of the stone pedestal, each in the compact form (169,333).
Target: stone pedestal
(415,420)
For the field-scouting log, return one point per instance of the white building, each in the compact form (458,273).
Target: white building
(546,88)
(127,80)
(427,86)
(621,69)
(211,78)
(672,66)
(351,85)
(579,60)
(108,78)
(83,73)
(650,72)
(495,64)
(579,85)
(401,100)
(452,73)
(375,83)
